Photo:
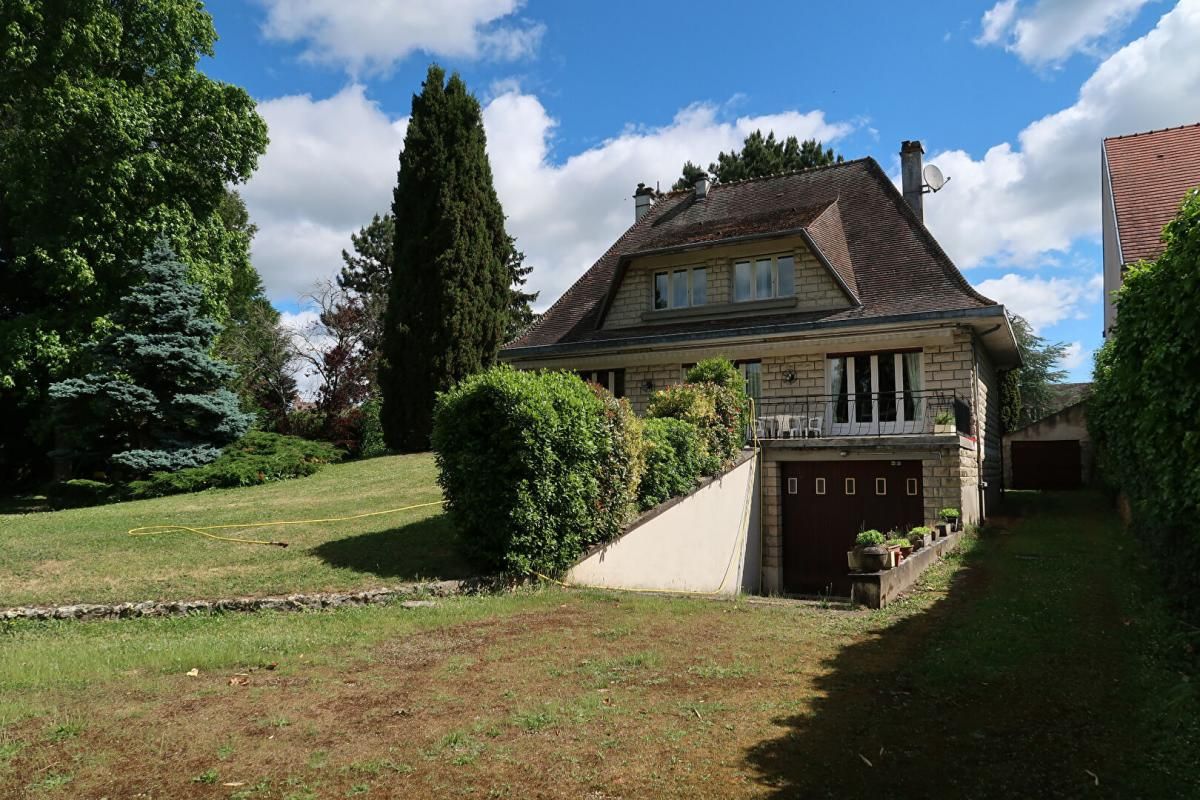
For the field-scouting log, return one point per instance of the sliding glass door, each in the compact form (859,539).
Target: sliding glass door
(875,393)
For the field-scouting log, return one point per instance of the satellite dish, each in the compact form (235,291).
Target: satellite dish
(934,178)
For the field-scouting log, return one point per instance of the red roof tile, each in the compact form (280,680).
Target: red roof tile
(853,213)
(1150,173)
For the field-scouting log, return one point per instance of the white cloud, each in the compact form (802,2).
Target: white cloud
(332,164)
(372,35)
(1043,302)
(1075,356)
(1051,31)
(1016,203)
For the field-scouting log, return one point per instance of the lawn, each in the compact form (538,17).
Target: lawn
(1036,662)
(84,555)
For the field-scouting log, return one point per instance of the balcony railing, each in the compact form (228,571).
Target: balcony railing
(861,414)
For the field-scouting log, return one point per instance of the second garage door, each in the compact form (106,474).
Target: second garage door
(1046,465)
(826,504)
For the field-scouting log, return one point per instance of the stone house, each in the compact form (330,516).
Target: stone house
(872,362)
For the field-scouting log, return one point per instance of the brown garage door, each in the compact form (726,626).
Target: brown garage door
(1046,465)
(826,504)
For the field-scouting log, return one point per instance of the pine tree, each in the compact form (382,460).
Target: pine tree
(760,156)
(520,311)
(1025,393)
(450,297)
(367,272)
(156,399)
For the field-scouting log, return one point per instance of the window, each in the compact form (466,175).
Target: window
(881,486)
(611,379)
(910,487)
(764,278)
(876,392)
(849,485)
(819,487)
(752,372)
(680,288)
(793,485)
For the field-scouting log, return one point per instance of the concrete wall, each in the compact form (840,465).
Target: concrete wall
(705,542)
(1112,245)
(1070,424)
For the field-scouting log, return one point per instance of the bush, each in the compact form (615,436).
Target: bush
(1145,401)
(622,463)
(871,538)
(526,463)
(258,457)
(81,492)
(673,460)
(714,400)
(949,513)
(371,443)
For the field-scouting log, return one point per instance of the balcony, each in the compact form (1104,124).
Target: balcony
(864,414)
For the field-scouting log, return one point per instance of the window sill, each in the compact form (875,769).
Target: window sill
(720,309)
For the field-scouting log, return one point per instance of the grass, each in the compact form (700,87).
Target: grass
(1039,661)
(84,555)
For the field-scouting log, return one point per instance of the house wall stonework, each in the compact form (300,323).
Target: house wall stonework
(772,528)
(816,288)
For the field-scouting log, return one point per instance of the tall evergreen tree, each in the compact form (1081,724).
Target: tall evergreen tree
(450,296)
(1025,393)
(367,272)
(520,310)
(156,399)
(760,156)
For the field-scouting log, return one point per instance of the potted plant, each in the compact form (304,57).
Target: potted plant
(943,422)
(920,537)
(872,555)
(902,547)
(951,517)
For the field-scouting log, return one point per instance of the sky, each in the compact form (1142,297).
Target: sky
(582,101)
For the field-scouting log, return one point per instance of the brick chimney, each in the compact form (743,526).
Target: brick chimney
(911,179)
(643,198)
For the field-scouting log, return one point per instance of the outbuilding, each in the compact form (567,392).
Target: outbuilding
(1054,452)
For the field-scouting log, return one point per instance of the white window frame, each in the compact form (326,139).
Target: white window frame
(670,272)
(899,425)
(753,262)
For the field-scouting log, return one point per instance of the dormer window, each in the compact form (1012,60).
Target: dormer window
(764,278)
(680,288)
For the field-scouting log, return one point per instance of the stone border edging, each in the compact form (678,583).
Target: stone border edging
(292,602)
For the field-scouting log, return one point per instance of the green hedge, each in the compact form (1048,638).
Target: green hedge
(674,458)
(258,457)
(1144,406)
(713,400)
(526,461)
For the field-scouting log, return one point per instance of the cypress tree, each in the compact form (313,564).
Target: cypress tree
(449,300)
(156,399)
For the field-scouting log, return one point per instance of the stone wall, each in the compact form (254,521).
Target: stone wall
(772,528)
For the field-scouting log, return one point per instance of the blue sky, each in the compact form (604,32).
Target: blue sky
(583,100)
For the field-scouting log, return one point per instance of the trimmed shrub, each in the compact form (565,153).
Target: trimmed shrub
(258,457)
(81,492)
(674,457)
(714,400)
(525,460)
(622,463)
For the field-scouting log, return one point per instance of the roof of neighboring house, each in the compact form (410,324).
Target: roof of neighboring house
(852,214)
(1066,395)
(1149,174)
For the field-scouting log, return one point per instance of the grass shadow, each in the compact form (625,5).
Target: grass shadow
(426,548)
(1025,679)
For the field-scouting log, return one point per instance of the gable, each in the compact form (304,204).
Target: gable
(632,301)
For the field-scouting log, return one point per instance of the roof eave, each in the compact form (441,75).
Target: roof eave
(591,347)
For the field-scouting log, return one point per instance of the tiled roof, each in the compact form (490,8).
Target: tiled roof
(1150,173)
(853,213)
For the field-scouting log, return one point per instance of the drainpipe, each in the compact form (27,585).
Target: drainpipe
(979,430)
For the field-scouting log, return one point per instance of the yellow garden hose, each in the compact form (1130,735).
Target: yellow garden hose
(153,530)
